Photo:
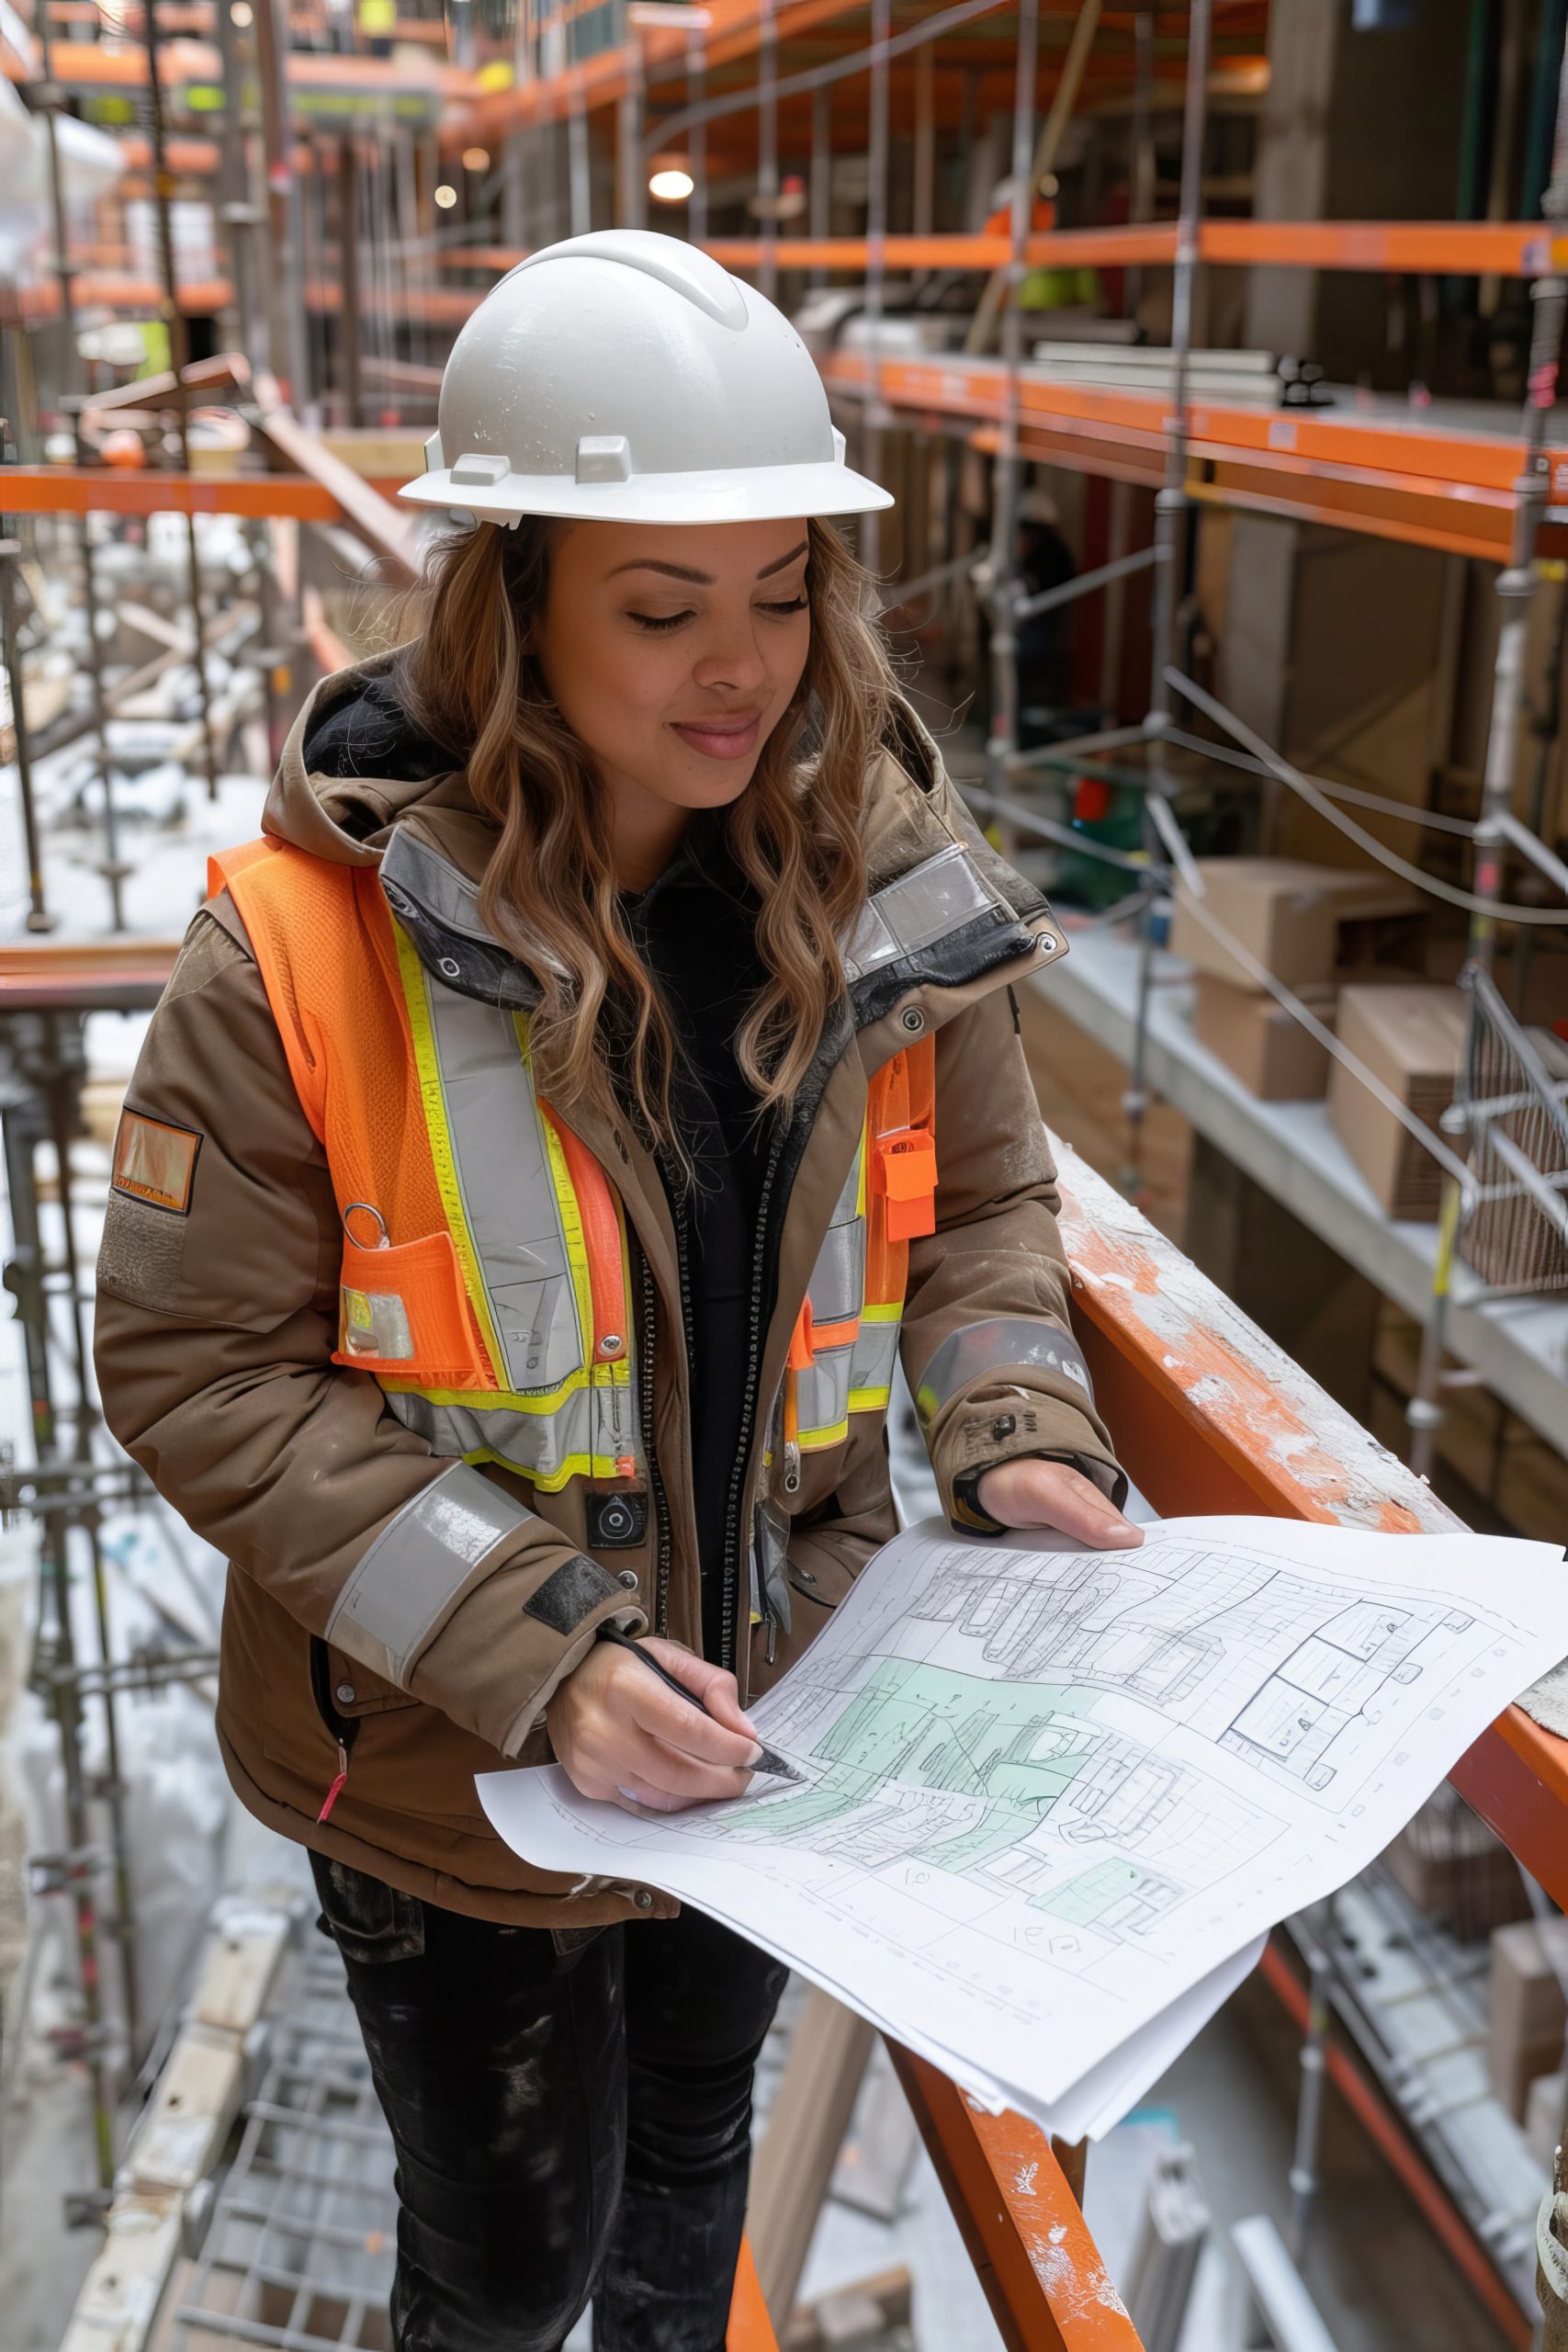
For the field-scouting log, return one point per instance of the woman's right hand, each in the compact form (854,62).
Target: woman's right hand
(622,1737)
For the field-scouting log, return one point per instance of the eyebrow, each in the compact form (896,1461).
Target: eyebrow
(703,579)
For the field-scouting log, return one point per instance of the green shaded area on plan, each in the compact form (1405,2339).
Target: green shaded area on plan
(1017,1747)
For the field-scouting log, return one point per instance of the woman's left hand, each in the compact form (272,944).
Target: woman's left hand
(1051,1494)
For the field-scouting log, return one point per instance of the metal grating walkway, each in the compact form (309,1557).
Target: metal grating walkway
(299,2255)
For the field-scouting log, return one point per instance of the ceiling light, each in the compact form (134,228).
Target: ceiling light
(446,197)
(672,186)
(476,159)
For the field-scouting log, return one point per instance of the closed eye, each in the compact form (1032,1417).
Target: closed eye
(648,621)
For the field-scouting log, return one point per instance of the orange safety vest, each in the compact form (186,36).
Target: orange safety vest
(486,1279)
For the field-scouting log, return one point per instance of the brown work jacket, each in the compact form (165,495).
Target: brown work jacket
(217,1318)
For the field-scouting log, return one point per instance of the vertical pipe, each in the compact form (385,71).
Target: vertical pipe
(63,1097)
(923,206)
(1304,2174)
(875,265)
(174,319)
(1171,539)
(51,99)
(239,214)
(38,916)
(697,139)
(21,1129)
(1518,582)
(290,333)
(768,147)
(821,191)
(580,179)
(1141,147)
(1516,586)
(349,252)
(1001,740)
(631,207)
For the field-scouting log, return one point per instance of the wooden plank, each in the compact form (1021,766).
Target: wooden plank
(118,2300)
(806,2130)
(180,2137)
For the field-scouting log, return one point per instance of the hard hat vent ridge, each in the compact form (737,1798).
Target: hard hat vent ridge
(685,269)
(634,379)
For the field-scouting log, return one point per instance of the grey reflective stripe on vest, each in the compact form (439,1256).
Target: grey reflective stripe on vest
(871,1360)
(822,1395)
(1006,1343)
(942,894)
(507,1189)
(415,1570)
(586,1435)
(837,1289)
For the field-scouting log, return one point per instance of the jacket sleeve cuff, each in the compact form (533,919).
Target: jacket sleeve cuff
(967,1511)
(1005,1387)
(470,1602)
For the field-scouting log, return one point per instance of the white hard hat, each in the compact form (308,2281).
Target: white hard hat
(626,377)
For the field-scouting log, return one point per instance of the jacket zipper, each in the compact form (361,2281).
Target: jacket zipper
(647,1319)
(754,1336)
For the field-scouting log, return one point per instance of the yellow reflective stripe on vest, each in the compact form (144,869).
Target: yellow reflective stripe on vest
(433,1097)
(579,1420)
(586,1436)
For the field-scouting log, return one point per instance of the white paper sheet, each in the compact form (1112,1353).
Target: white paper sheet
(1051,1793)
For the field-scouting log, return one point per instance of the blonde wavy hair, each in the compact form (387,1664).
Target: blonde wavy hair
(550,894)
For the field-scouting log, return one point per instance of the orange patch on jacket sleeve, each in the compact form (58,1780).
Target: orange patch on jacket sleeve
(156,1162)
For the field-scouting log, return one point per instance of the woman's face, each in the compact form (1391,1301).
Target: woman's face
(673,651)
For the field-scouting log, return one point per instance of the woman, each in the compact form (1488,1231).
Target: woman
(544,1133)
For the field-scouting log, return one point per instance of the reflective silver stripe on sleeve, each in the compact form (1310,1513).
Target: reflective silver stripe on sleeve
(509,1194)
(416,1567)
(942,894)
(1004,1344)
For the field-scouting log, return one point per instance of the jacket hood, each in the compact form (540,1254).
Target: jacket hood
(359,783)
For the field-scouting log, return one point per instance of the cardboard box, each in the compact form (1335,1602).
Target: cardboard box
(1528,2010)
(1290,914)
(1276,907)
(1412,1036)
(1259,1041)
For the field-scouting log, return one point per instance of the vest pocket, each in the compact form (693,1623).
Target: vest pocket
(403,1310)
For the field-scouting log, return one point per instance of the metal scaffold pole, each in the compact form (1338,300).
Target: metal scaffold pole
(1171,510)
(698,144)
(51,99)
(38,916)
(174,319)
(875,271)
(1001,740)
(1518,585)
(768,149)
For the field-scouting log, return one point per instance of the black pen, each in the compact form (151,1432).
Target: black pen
(767,1762)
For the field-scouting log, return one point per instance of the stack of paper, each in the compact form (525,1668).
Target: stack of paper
(1055,1799)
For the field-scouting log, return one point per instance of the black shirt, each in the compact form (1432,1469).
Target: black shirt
(696,931)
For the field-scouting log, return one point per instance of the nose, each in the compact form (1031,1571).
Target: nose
(731,655)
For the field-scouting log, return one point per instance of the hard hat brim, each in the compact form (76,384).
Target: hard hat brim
(751,494)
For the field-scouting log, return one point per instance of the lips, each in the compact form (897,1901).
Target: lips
(728,736)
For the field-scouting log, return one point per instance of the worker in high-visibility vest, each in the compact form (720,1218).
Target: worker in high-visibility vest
(553,1128)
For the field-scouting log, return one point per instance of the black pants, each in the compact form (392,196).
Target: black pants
(568,2125)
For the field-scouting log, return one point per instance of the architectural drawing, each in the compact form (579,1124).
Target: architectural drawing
(1048,1794)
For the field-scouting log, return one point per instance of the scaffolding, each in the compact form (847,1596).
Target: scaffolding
(357,197)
